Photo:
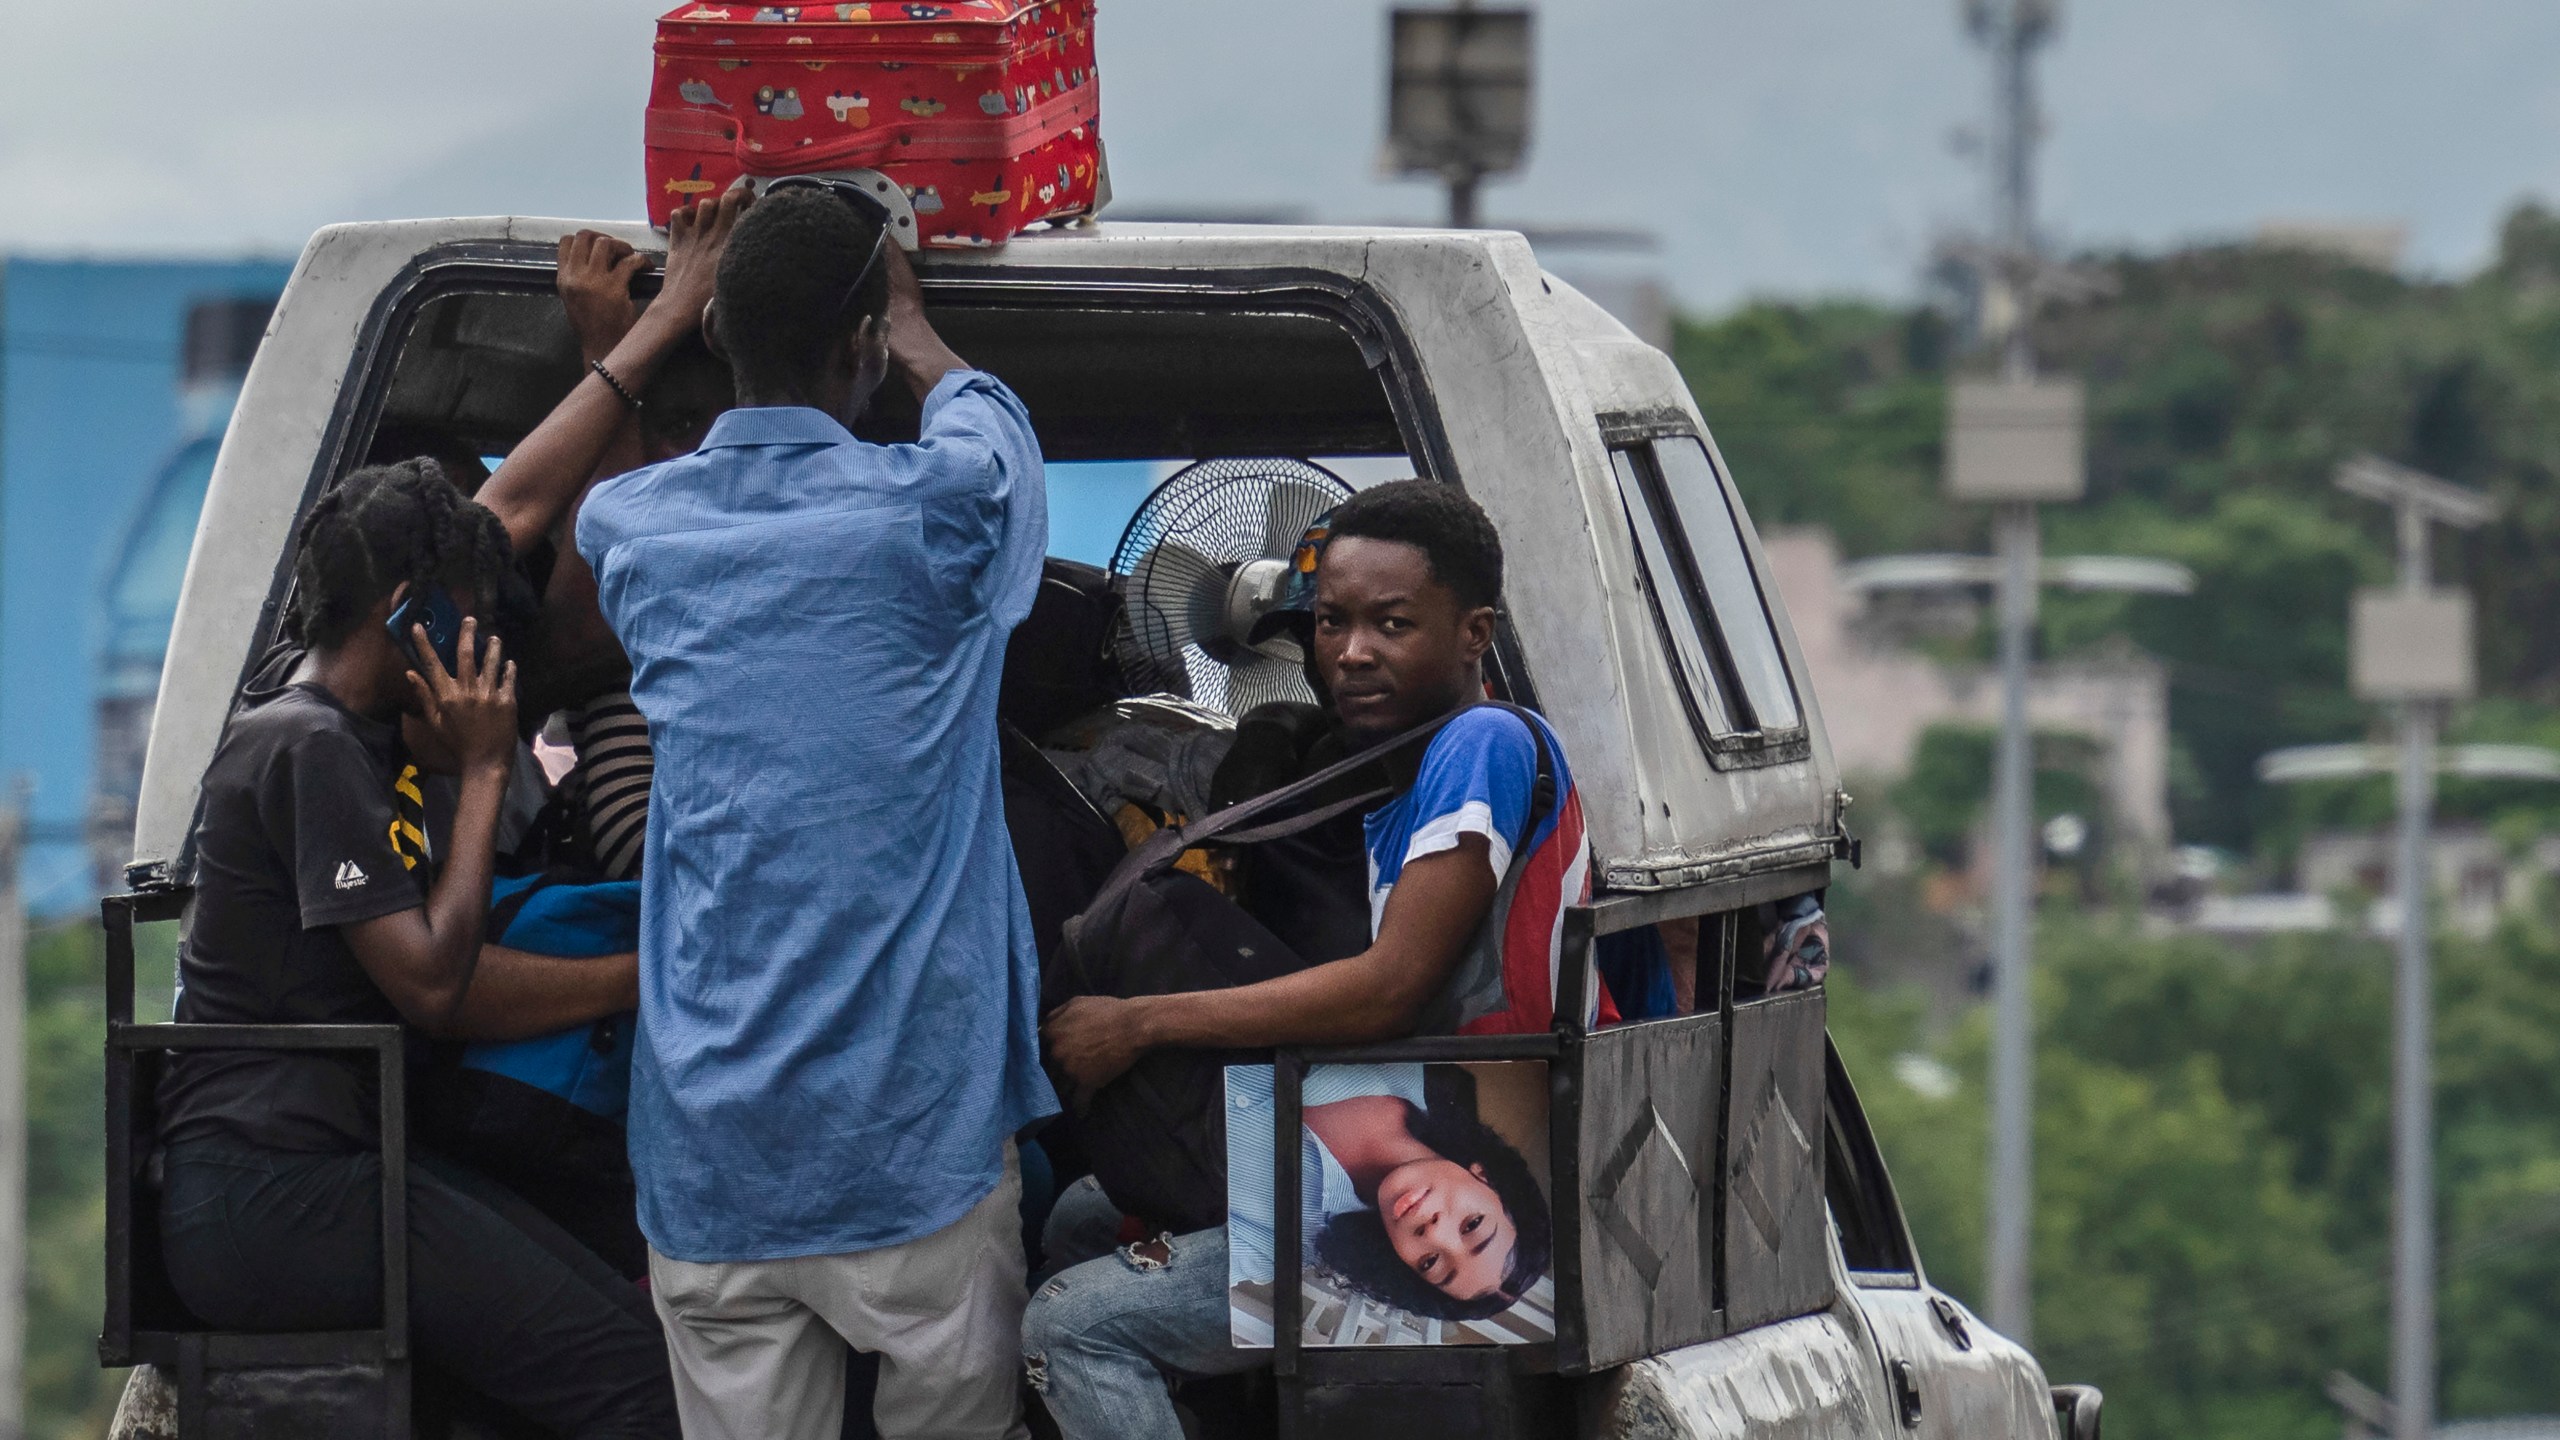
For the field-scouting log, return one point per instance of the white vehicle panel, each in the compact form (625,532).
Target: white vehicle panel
(1514,364)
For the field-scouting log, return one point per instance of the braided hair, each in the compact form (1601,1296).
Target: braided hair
(380,528)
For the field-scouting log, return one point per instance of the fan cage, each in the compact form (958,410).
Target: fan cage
(1226,512)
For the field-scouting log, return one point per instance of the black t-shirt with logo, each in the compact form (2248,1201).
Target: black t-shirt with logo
(303,831)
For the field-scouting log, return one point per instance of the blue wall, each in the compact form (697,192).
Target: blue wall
(89,412)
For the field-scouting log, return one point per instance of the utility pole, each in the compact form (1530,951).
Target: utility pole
(2013,31)
(2008,440)
(2412,649)
(1463,177)
(13,1118)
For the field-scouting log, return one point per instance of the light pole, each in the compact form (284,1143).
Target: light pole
(2020,452)
(2013,30)
(1458,98)
(2013,442)
(2412,649)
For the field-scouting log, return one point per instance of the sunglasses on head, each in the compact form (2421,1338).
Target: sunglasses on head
(865,204)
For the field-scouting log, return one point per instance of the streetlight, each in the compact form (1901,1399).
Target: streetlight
(2301,763)
(2015,443)
(2412,649)
(1458,98)
(2133,574)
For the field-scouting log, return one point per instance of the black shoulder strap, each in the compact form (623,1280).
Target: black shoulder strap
(1232,826)
(1542,790)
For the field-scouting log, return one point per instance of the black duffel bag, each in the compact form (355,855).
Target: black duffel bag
(1156,1136)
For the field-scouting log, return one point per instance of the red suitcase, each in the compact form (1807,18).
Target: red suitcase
(983,111)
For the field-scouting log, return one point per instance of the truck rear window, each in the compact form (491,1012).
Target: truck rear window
(1707,598)
(1697,494)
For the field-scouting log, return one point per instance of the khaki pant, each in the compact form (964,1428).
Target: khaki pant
(759,1346)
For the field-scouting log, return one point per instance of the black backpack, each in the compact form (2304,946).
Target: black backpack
(1310,889)
(1156,1136)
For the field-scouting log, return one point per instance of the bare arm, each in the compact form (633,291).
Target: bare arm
(515,993)
(423,958)
(550,468)
(916,351)
(1378,994)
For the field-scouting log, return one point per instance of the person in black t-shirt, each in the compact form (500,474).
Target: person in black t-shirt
(316,902)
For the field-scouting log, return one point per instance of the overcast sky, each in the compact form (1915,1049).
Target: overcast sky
(1775,145)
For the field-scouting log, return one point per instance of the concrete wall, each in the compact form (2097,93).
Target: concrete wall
(1878,696)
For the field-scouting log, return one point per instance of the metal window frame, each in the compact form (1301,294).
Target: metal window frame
(1635,435)
(1845,1119)
(511,266)
(1301,1370)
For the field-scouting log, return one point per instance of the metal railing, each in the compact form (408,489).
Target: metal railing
(171,1338)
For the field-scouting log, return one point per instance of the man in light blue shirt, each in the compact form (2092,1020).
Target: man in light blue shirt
(838,983)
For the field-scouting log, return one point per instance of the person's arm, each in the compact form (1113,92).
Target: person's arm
(515,994)
(422,958)
(575,654)
(594,281)
(1379,994)
(550,468)
(916,352)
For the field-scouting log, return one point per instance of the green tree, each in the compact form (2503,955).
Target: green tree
(2213,1165)
(2179,1263)
(67,1394)
(2226,383)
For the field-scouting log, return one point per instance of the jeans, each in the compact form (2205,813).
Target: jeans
(500,1299)
(1082,1224)
(1100,1336)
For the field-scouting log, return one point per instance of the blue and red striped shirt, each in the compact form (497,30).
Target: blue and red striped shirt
(1479,777)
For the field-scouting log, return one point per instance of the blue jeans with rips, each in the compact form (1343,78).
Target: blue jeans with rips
(1102,1336)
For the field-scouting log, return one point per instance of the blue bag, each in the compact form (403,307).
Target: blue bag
(590,1066)
(544,1114)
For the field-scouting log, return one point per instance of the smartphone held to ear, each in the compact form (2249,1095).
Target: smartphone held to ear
(432,606)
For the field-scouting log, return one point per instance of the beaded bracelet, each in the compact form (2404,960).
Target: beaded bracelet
(607,377)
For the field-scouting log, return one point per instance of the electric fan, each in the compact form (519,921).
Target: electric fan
(1206,556)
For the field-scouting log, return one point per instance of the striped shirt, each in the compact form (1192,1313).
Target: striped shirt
(1479,777)
(611,781)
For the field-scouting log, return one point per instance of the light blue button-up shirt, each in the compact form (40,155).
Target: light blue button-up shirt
(838,986)
(1253,1162)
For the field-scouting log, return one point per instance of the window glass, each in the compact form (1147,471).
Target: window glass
(1715,544)
(1090,502)
(1688,646)
(1872,1239)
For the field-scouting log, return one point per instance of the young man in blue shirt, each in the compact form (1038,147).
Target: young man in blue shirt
(838,986)
(1407,590)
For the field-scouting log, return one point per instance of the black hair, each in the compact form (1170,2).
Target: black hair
(782,291)
(692,388)
(381,527)
(1439,520)
(1356,1245)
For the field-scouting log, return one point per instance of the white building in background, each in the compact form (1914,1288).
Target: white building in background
(2375,244)
(1879,695)
(2478,877)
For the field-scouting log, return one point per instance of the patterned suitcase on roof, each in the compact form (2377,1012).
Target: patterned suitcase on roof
(983,111)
